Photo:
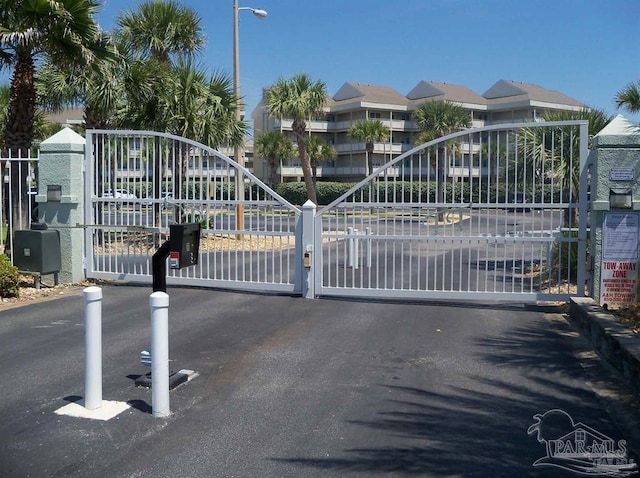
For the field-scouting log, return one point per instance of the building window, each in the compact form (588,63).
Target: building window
(374,115)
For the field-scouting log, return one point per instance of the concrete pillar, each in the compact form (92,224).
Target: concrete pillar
(615,178)
(60,168)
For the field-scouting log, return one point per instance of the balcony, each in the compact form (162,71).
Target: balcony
(315,126)
(325,126)
(379,148)
(465,172)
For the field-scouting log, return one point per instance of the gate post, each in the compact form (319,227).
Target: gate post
(60,197)
(306,260)
(615,212)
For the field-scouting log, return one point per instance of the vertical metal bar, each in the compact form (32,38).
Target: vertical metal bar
(583,208)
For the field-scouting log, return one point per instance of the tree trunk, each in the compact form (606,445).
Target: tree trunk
(314,174)
(273,167)
(299,130)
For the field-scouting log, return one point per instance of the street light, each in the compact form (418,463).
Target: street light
(237,150)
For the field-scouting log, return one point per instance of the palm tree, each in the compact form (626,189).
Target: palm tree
(159,34)
(201,107)
(629,97)
(440,118)
(98,89)
(63,32)
(162,30)
(560,151)
(436,119)
(318,151)
(298,99)
(371,131)
(274,147)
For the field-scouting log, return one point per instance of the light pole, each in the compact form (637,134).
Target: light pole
(238,150)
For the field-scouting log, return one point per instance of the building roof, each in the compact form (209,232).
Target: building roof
(503,95)
(67,116)
(366,93)
(434,91)
(512,91)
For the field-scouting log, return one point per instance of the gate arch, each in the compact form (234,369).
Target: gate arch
(138,182)
(493,213)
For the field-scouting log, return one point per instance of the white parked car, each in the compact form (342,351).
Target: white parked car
(165,200)
(122,195)
(119,194)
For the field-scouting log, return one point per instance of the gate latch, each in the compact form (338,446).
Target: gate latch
(306,261)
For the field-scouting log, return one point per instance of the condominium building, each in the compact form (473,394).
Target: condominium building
(504,102)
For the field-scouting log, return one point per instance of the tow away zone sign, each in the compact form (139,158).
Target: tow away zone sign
(619,268)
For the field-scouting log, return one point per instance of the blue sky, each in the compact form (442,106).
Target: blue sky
(587,49)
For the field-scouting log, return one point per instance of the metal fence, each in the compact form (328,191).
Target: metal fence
(498,212)
(138,183)
(18,189)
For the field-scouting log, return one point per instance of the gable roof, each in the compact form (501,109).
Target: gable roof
(431,90)
(363,92)
(507,90)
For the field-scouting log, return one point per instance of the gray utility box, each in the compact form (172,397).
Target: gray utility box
(37,251)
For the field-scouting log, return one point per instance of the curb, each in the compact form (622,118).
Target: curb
(619,346)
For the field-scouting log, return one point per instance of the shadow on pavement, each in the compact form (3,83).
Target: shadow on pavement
(479,429)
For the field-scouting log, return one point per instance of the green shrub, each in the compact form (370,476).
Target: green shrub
(9,279)
(295,193)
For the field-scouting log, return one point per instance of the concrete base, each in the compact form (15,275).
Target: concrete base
(107,411)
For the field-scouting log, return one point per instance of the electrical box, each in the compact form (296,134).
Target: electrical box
(184,244)
(37,251)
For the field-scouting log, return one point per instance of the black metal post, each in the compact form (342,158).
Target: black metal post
(159,267)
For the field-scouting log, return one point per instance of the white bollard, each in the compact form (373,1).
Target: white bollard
(159,302)
(93,347)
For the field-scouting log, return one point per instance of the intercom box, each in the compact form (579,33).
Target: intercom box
(184,240)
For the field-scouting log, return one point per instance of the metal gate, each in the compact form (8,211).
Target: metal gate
(18,188)
(140,182)
(498,213)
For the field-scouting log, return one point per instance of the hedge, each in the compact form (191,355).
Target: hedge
(382,191)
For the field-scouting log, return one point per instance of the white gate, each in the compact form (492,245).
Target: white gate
(496,213)
(140,182)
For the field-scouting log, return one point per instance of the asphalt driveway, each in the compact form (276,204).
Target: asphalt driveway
(289,387)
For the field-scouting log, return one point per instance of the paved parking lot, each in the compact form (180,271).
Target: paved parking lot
(289,387)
